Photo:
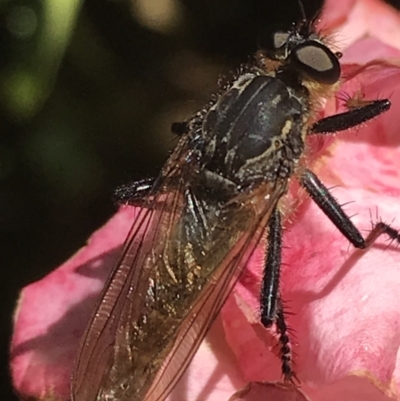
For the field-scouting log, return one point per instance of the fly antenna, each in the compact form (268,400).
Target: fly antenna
(302,11)
(303,25)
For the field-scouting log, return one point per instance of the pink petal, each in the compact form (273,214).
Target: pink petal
(268,392)
(213,374)
(51,313)
(352,20)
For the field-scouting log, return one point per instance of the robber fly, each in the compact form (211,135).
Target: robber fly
(220,191)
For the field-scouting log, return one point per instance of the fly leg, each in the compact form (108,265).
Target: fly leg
(350,118)
(270,280)
(270,303)
(329,205)
(134,193)
(180,128)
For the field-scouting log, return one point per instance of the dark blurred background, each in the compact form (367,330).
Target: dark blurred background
(88,93)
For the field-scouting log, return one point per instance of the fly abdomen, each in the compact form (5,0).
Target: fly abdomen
(254,131)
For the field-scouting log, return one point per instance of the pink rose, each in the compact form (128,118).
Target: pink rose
(343,305)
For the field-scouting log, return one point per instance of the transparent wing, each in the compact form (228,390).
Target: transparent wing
(99,346)
(195,325)
(179,263)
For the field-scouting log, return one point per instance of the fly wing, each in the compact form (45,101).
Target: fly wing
(179,263)
(104,357)
(209,301)
(99,348)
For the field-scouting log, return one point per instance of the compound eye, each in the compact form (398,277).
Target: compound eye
(317,62)
(273,40)
(279,39)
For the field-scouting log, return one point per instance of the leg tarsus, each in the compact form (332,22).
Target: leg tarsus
(379,229)
(286,352)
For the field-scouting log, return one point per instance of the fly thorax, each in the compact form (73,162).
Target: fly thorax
(254,132)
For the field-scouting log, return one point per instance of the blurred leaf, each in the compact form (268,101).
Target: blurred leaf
(38,37)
